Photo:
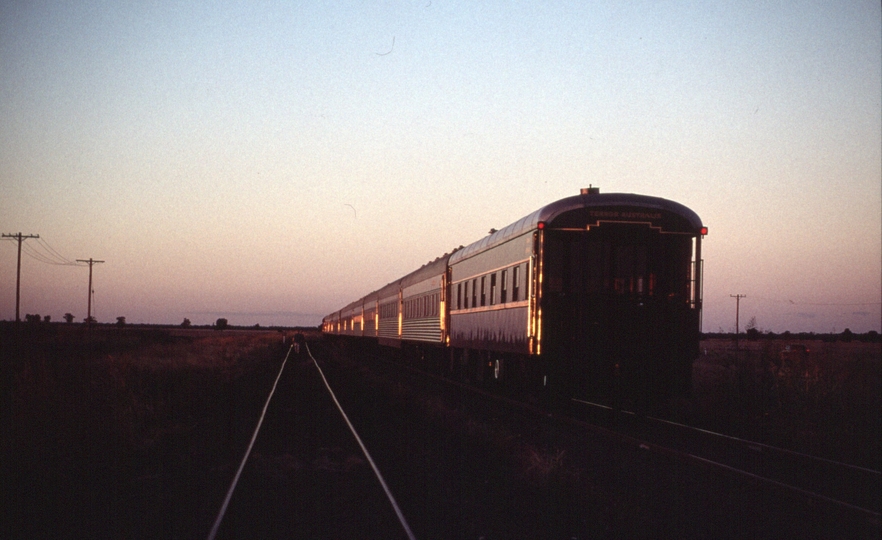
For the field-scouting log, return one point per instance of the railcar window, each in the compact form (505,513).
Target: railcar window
(475,292)
(621,261)
(630,267)
(503,292)
(493,288)
(466,300)
(483,294)
(458,295)
(516,285)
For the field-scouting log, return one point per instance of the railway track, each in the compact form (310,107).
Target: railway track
(459,472)
(850,488)
(307,473)
(825,489)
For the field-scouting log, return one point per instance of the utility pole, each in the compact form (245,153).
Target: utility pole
(737,298)
(21,238)
(89,309)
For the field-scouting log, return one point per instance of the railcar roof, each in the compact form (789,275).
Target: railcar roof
(351,306)
(428,270)
(552,210)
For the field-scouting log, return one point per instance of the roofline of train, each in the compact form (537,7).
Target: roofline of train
(586,199)
(550,211)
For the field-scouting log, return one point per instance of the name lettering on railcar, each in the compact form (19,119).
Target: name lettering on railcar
(613,214)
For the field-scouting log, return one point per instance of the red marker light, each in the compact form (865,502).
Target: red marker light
(703,231)
(541,225)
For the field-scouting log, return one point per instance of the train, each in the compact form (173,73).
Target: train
(596,296)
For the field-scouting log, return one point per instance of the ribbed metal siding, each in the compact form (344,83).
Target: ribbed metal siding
(389,328)
(388,325)
(370,324)
(423,329)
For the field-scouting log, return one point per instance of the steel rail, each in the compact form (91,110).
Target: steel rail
(223,510)
(629,440)
(746,442)
(364,449)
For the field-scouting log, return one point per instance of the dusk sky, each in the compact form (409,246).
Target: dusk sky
(269,162)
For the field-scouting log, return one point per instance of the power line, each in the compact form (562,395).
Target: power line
(36,254)
(58,256)
(21,238)
(44,253)
(791,302)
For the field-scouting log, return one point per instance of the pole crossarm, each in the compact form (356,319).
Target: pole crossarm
(21,238)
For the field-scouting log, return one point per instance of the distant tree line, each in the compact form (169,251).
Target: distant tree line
(753,334)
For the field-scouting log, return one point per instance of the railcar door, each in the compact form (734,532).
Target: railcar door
(616,311)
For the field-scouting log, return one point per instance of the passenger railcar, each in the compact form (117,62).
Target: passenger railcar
(595,296)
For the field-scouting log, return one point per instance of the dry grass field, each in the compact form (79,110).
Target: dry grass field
(127,432)
(824,402)
(115,430)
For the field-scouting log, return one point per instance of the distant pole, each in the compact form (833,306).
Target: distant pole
(737,298)
(20,237)
(89,304)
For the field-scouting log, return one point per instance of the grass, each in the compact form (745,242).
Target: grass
(95,423)
(825,403)
(131,383)
(147,419)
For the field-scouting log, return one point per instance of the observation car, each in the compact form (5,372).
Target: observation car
(595,296)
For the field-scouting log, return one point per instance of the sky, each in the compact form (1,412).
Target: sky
(270,161)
